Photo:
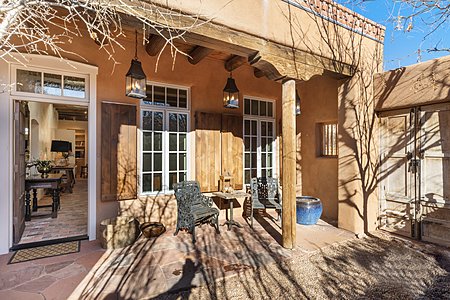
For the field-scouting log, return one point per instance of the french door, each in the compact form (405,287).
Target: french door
(415,173)
(259,142)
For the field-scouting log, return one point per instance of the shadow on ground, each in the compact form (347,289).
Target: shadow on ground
(249,263)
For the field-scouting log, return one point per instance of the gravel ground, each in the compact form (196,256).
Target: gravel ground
(376,267)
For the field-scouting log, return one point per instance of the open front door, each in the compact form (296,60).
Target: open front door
(20,111)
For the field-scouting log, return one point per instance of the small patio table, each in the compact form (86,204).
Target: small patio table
(229,197)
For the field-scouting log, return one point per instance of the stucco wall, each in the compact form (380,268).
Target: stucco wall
(316,175)
(47,118)
(206,81)
(415,85)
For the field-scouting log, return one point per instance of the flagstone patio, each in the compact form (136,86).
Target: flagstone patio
(169,264)
(162,266)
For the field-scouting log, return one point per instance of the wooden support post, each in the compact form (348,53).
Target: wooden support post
(289,164)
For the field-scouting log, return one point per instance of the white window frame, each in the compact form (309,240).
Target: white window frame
(166,110)
(260,119)
(14,91)
(58,66)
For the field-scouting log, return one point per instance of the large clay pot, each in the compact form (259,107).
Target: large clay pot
(309,210)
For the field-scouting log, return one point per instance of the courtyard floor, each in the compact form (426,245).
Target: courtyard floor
(238,264)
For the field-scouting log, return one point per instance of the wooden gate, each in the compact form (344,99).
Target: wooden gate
(415,173)
(435,174)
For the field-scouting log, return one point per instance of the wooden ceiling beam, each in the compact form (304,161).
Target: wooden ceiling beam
(198,53)
(258,73)
(235,62)
(155,44)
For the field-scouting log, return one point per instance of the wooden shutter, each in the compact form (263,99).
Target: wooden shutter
(232,148)
(118,150)
(207,150)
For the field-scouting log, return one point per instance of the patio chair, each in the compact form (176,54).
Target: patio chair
(194,208)
(265,194)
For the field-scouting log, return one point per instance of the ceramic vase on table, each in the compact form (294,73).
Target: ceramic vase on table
(44,167)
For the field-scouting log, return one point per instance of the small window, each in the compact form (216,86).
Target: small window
(328,139)
(50,84)
(260,108)
(166,96)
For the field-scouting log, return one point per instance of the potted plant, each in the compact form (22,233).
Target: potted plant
(43,166)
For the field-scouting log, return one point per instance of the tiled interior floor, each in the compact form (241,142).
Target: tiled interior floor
(71,220)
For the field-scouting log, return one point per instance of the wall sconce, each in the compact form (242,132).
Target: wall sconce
(297,104)
(230,94)
(135,78)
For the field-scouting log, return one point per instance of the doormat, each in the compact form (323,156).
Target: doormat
(44,252)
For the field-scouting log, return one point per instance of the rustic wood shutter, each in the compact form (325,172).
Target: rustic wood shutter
(118,151)
(232,148)
(218,148)
(207,150)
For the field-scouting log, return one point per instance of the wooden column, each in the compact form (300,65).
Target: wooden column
(289,164)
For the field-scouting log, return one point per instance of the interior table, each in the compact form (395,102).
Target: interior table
(69,173)
(229,197)
(35,182)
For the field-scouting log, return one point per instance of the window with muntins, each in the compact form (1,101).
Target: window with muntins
(47,83)
(259,139)
(328,142)
(164,139)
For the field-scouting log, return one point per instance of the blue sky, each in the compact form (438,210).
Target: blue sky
(400,46)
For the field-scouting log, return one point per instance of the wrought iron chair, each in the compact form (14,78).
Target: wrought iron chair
(265,194)
(194,208)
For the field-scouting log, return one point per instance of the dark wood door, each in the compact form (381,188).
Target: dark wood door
(119,150)
(19,170)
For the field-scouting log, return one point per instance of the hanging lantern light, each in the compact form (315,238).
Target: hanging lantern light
(135,78)
(297,104)
(231,94)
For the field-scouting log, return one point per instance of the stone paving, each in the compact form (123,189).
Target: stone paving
(71,220)
(154,267)
(48,278)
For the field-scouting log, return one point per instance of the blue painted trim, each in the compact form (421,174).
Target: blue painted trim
(331,20)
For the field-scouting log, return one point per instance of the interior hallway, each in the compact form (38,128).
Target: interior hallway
(71,220)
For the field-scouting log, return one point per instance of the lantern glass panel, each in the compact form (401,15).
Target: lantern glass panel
(136,87)
(230,99)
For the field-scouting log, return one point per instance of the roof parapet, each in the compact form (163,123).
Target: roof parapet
(342,16)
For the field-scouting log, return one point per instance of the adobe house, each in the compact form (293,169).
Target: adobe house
(135,149)
(413,105)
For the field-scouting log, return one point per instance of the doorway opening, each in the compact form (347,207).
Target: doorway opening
(50,173)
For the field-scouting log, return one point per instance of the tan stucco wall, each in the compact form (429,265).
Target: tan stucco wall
(206,80)
(276,21)
(419,84)
(317,176)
